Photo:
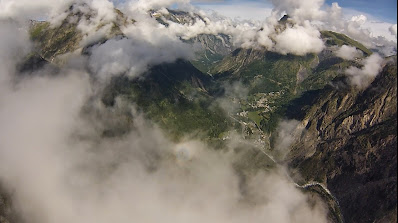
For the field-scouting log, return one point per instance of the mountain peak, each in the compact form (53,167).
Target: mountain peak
(176,16)
(284,18)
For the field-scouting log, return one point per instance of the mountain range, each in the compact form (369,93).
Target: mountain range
(343,149)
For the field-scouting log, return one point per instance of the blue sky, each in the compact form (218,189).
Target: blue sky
(384,10)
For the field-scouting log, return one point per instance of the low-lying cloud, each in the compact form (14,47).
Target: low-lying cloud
(287,132)
(61,167)
(348,52)
(134,56)
(299,40)
(362,77)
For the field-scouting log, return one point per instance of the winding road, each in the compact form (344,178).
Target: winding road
(304,186)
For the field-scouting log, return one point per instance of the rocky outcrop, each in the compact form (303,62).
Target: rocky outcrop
(176,16)
(237,60)
(53,41)
(350,144)
(210,49)
(7,211)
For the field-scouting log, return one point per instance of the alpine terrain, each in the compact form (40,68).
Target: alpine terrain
(156,111)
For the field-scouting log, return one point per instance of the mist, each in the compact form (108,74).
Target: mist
(287,132)
(59,166)
(363,77)
(348,52)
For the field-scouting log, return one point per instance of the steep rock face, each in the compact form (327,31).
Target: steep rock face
(350,144)
(53,41)
(210,49)
(176,16)
(216,44)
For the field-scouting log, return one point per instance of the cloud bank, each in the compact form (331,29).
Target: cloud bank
(371,32)
(61,167)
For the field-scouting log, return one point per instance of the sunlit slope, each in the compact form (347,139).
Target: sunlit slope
(267,74)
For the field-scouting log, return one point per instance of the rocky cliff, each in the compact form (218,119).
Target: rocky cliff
(350,144)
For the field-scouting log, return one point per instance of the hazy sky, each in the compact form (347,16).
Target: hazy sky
(385,10)
(379,15)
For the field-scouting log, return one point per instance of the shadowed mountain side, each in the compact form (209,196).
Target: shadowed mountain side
(350,143)
(175,96)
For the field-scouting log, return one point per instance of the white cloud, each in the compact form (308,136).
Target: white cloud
(154,4)
(244,11)
(348,52)
(26,9)
(14,45)
(362,77)
(381,29)
(82,176)
(99,24)
(288,132)
(257,35)
(301,10)
(134,56)
(393,30)
(359,19)
(232,92)
(363,28)
(359,26)
(299,40)
(61,168)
